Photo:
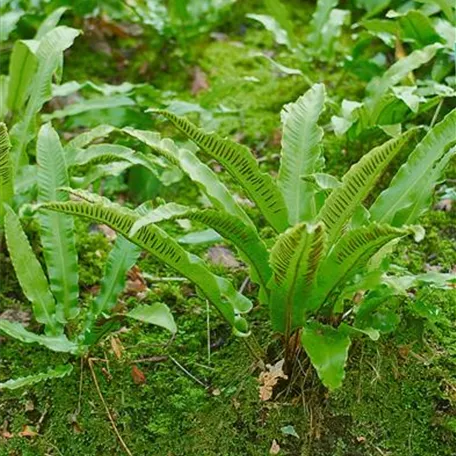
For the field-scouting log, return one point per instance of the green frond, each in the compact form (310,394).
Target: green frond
(244,237)
(240,163)
(58,343)
(49,54)
(6,172)
(217,290)
(350,255)
(294,259)
(411,188)
(30,274)
(301,153)
(191,165)
(357,183)
(101,154)
(57,230)
(58,372)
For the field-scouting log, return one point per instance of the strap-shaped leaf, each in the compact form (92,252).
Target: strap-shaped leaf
(6,172)
(294,260)
(49,54)
(121,259)
(50,22)
(357,183)
(84,139)
(200,173)
(327,348)
(217,290)
(58,372)
(418,174)
(244,237)
(58,343)
(398,71)
(240,163)
(57,230)
(320,18)
(22,67)
(301,153)
(108,153)
(30,273)
(350,254)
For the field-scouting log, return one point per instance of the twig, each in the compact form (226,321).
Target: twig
(151,278)
(208,332)
(111,419)
(244,284)
(152,359)
(179,365)
(78,410)
(436,114)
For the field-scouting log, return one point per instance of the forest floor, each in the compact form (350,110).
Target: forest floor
(177,397)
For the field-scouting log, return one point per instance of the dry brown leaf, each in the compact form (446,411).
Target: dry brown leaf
(138,375)
(136,282)
(199,83)
(222,256)
(275,447)
(117,347)
(269,379)
(16,315)
(27,431)
(107,231)
(445,205)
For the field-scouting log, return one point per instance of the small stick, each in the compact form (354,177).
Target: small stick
(208,332)
(111,419)
(151,278)
(78,410)
(179,365)
(152,359)
(436,113)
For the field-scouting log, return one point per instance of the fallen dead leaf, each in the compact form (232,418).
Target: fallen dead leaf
(269,379)
(117,347)
(15,315)
(29,406)
(138,375)
(135,283)
(222,256)
(107,231)
(275,447)
(444,205)
(199,83)
(27,431)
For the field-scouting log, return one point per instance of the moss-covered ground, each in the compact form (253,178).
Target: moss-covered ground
(399,394)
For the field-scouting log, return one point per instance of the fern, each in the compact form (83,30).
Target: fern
(357,183)
(151,238)
(294,260)
(6,172)
(200,173)
(240,163)
(58,372)
(49,54)
(301,153)
(350,255)
(30,274)
(243,236)
(406,197)
(57,230)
